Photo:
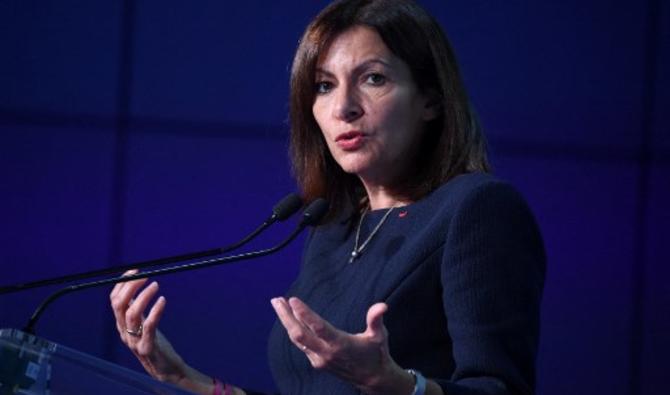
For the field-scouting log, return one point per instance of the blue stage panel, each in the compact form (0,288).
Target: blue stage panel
(55,202)
(200,189)
(661,87)
(586,211)
(60,56)
(216,61)
(656,292)
(569,72)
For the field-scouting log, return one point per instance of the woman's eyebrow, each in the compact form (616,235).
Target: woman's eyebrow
(371,62)
(364,65)
(325,72)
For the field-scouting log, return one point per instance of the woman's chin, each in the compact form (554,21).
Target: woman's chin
(353,161)
(354,167)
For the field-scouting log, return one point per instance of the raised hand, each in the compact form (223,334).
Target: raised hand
(363,359)
(143,338)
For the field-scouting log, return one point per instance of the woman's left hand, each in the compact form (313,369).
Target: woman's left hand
(363,359)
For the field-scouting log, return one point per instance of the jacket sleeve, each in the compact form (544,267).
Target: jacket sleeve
(492,276)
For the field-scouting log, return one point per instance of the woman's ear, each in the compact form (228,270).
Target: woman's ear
(432,107)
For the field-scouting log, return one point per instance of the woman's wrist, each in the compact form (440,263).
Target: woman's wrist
(394,381)
(398,381)
(199,383)
(195,381)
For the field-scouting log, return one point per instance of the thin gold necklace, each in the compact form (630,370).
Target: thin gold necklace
(357,251)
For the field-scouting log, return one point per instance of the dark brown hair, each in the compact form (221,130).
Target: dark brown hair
(452,143)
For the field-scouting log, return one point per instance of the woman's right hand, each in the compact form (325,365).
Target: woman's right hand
(143,338)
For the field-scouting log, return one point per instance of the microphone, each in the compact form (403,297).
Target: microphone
(281,211)
(314,212)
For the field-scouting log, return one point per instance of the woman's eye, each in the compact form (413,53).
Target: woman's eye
(375,79)
(322,87)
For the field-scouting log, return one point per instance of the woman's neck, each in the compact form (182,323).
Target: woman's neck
(380,197)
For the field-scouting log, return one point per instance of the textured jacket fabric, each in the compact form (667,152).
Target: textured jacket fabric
(462,271)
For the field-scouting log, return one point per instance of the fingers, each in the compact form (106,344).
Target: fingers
(154,317)
(321,328)
(133,316)
(117,288)
(128,311)
(150,325)
(303,337)
(357,358)
(375,319)
(120,298)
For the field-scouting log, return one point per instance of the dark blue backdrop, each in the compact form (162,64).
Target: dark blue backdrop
(137,129)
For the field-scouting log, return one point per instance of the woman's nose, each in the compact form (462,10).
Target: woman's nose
(347,106)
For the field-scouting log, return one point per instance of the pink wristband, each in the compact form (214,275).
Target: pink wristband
(218,387)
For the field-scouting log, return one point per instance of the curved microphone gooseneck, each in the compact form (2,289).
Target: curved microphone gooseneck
(311,216)
(281,211)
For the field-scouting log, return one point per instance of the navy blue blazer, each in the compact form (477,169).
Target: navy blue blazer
(462,271)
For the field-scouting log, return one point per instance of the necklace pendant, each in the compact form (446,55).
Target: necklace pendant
(358,250)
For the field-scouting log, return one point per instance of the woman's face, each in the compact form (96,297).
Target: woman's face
(368,107)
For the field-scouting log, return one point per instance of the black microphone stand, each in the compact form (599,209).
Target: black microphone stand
(311,216)
(282,210)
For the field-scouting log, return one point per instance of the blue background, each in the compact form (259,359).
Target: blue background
(138,129)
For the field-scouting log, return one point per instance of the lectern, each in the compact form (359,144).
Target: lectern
(35,366)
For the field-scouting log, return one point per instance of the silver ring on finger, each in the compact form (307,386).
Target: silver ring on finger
(303,348)
(137,332)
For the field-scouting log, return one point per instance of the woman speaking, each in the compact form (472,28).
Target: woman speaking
(427,274)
